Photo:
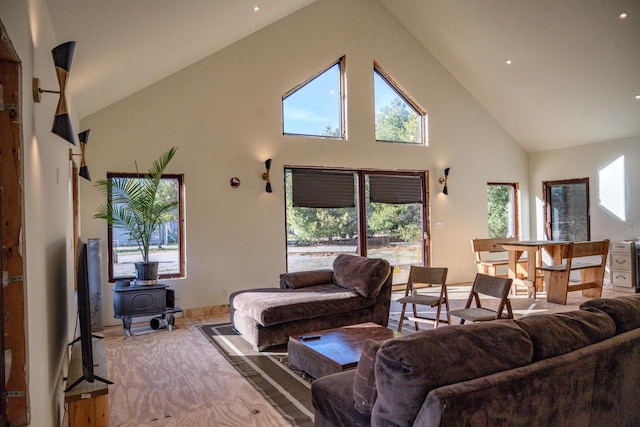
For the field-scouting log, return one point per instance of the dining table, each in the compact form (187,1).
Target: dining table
(533,249)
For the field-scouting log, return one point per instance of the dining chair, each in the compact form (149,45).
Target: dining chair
(434,296)
(492,286)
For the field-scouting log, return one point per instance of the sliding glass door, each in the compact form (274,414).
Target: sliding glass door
(381,214)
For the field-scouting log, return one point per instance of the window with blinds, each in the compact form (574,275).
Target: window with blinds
(380,214)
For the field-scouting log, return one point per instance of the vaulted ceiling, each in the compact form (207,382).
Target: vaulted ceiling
(573,75)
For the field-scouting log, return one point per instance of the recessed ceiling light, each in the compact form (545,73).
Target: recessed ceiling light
(638,97)
(256,8)
(508,62)
(624,15)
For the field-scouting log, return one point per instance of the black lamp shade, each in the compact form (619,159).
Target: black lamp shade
(84,136)
(63,55)
(62,127)
(84,172)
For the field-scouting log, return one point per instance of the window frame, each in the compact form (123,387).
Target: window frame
(361,205)
(341,62)
(181,225)
(546,191)
(516,205)
(411,101)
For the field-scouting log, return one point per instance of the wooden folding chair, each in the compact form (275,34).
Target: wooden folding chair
(497,287)
(436,297)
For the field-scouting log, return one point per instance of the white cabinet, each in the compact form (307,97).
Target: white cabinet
(622,265)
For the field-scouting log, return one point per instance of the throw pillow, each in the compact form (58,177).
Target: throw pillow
(364,275)
(364,383)
(303,279)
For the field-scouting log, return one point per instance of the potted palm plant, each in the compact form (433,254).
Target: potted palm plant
(134,205)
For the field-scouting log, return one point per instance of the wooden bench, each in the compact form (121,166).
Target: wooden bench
(558,277)
(490,255)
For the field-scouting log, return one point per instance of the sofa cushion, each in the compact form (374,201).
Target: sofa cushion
(273,306)
(302,279)
(561,333)
(364,383)
(333,401)
(625,310)
(408,367)
(364,275)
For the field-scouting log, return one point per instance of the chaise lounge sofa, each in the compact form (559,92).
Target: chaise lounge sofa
(577,368)
(356,290)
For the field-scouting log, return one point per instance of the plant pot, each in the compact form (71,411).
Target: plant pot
(146,273)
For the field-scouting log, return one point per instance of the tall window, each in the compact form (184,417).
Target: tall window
(567,210)
(316,107)
(167,244)
(371,213)
(503,209)
(398,118)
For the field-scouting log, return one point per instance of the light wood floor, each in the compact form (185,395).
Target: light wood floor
(177,378)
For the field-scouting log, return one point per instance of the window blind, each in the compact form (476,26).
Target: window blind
(322,189)
(395,189)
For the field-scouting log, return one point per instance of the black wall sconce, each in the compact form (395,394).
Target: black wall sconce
(84,170)
(265,176)
(443,181)
(62,57)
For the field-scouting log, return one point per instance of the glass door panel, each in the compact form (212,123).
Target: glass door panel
(395,233)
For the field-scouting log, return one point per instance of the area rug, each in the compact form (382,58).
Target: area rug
(286,389)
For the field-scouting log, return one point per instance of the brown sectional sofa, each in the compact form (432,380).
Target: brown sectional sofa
(578,368)
(356,290)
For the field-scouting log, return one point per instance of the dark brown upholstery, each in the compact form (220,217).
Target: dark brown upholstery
(625,311)
(364,275)
(557,334)
(303,279)
(582,370)
(409,367)
(364,383)
(311,301)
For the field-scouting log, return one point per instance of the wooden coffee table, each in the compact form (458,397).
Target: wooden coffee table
(333,350)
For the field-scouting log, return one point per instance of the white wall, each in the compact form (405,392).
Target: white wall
(224,114)
(47,215)
(608,220)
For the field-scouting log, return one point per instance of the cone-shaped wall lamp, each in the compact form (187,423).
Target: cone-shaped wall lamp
(84,170)
(265,176)
(443,181)
(62,57)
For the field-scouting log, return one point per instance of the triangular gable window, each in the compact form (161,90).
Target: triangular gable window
(398,118)
(316,107)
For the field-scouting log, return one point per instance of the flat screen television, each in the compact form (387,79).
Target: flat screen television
(84,319)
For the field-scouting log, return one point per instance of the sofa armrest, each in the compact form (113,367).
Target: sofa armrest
(302,279)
